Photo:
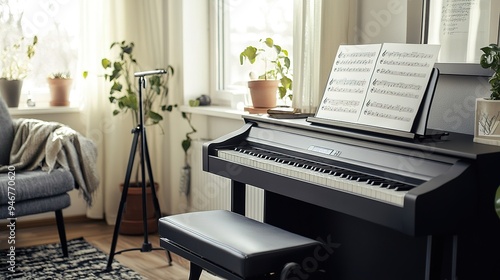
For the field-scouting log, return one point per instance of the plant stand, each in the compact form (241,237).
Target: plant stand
(139,133)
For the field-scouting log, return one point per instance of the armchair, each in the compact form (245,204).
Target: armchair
(26,186)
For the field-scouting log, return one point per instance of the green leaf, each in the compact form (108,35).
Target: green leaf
(287,62)
(128,48)
(117,66)
(106,63)
(116,87)
(249,53)
(277,48)
(168,108)
(133,102)
(115,75)
(269,42)
(155,117)
(194,103)
(186,144)
(282,92)
(286,82)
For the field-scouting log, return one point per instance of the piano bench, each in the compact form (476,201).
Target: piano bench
(233,246)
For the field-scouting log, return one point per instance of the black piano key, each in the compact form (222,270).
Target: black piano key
(404,187)
(288,161)
(391,186)
(375,181)
(362,178)
(299,163)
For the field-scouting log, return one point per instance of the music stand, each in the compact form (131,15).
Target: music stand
(139,133)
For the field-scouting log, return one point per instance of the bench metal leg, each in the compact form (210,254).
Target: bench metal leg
(194,271)
(62,232)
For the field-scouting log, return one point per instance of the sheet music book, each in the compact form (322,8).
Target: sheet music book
(379,85)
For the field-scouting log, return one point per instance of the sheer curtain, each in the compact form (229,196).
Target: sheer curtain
(321,26)
(105,22)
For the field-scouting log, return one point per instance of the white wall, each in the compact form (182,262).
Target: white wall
(381,21)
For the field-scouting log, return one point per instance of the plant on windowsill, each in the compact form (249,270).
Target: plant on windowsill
(59,86)
(15,63)
(276,76)
(487,129)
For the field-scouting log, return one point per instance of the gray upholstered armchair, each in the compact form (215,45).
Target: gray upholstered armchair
(26,187)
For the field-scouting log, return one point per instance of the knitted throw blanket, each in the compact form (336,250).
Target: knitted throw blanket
(51,145)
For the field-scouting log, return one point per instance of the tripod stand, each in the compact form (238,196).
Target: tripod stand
(139,134)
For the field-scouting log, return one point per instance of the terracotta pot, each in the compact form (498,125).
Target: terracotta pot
(263,93)
(132,223)
(59,91)
(11,91)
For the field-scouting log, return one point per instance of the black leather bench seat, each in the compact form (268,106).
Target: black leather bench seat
(243,246)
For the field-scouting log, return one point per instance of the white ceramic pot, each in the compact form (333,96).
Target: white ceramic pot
(487,121)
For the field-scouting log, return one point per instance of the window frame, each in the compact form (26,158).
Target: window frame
(33,85)
(217,64)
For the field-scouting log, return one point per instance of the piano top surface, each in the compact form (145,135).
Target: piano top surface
(456,144)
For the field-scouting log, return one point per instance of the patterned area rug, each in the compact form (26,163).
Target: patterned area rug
(46,262)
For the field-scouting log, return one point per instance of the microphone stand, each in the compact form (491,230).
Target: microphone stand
(139,133)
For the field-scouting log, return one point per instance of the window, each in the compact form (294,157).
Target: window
(56,25)
(462,28)
(241,23)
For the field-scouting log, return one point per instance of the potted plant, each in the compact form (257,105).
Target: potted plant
(59,86)
(487,119)
(15,60)
(275,77)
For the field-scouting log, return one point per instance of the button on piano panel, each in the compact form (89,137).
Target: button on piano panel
(337,178)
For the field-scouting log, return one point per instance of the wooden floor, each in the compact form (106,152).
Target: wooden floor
(152,265)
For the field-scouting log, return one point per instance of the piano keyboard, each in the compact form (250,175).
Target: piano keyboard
(336,178)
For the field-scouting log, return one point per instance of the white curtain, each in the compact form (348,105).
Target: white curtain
(321,26)
(104,22)
(307,39)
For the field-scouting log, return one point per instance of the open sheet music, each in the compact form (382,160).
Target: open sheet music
(378,84)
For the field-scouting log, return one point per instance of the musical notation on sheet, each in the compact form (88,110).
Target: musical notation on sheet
(389,94)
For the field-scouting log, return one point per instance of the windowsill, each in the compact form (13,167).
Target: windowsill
(215,111)
(43,109)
